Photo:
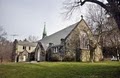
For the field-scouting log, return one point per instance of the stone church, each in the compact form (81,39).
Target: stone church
(72,40)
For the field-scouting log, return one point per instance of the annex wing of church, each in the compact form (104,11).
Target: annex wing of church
(72,41)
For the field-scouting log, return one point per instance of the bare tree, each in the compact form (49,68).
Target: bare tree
(5,47)
(104,28)
(92,45)
(2,33)
(6,51)
(111,6)
(96,18)
(32,38)
(112,37)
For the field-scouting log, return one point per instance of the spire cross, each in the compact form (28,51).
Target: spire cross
(81,16)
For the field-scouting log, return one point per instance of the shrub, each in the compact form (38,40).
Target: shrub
(69,57)
(55,57)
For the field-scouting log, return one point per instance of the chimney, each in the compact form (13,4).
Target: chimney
(62,41)
(51,44)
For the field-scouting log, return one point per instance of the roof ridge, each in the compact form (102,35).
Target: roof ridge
(60,30)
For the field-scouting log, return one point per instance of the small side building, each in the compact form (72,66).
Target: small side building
(24,50)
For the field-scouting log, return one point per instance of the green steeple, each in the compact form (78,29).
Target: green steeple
(44,31)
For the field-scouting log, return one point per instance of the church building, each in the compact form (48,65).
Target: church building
(72,41)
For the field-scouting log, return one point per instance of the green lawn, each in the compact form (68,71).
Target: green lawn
(60,70)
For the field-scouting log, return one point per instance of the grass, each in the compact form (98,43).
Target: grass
(60,70)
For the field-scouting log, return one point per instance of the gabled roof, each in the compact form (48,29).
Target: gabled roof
(26,43)
(56,37)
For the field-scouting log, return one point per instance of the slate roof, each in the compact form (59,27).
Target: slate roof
(26,43)
(56,37)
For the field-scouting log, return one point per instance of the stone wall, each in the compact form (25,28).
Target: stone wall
(98,54)
(85,55)
(74,42)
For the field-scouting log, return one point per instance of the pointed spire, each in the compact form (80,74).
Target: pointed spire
(44,31)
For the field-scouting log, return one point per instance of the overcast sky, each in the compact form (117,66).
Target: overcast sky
(27,17)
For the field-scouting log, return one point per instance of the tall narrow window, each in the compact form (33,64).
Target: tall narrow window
(29,48)
(24,47)
(56,49)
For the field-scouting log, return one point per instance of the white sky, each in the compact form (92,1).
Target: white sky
(27,17)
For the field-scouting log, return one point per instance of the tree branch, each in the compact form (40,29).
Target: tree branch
(95,1)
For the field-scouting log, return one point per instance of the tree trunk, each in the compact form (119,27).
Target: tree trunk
(92,53)
(91,56)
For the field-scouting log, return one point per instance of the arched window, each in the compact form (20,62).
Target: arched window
(24,47)
(84,41)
